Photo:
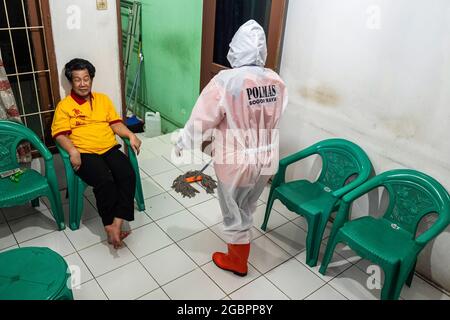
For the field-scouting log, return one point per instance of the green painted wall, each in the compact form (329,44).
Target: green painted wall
(171,43)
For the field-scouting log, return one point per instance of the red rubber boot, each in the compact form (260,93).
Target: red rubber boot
(235,260)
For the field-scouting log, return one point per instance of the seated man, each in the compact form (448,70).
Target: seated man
(85,124)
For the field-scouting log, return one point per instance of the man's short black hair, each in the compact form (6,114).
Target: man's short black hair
(78,64)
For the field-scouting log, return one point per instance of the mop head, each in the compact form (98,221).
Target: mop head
(187,190)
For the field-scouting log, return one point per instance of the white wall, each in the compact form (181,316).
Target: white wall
(385,88)
(93,37)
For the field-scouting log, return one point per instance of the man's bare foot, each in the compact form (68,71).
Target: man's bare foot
(114,238)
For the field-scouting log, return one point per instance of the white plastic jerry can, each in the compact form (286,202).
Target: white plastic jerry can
(152,124)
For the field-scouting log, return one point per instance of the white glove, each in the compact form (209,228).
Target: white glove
(178,151)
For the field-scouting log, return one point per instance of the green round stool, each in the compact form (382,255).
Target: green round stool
(34,274)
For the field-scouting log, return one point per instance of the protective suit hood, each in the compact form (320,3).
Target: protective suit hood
(248,47)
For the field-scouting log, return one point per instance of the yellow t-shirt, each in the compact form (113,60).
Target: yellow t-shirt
(88,126)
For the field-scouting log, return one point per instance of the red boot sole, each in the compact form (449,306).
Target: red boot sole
(235,272)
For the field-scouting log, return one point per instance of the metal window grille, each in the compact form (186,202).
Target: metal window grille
(23,41)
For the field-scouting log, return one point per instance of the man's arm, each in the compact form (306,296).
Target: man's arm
(122,131)
(75,157)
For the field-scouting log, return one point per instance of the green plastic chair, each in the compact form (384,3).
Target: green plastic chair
(76,186)
(34,274)
(31,185)
(341,160)
(392,241)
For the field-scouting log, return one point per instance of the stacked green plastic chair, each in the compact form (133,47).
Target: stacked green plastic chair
(34,274)
(76,186)
(316,201)
(391,241)
(31,185)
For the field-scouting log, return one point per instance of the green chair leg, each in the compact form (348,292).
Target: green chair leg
(57,212)
(313,222)
(72,188)
(272,198)
(390,281)
(406,274)
(331,246)
(139,195)
(318,239)
(411,275)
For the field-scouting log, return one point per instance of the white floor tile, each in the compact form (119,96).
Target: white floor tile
(302,223)
(208,212)
(140,219)
(290,237)
(162,206)
(228,281)
(6,237)
(194,286)
(275,219)
(62,194)
(158,294)
(103,258)
(294,279)
(57,241)
(9,248)
(370,267)
(167,138)
(265,194)
(150,188)
(91,232)
(190,202)
(201,246)
(89,291)
(165,180)
(33,226)
(345,251)
(158,147)
(92,201)
(145,154)
(181,225)
(168,264)
(353,284)
(260,289)
(127,283)
(89,210)
(187,160)
(266,255)
(337,265)
(285,212)
(146,240)
(326,293)
(79,270)
(422,290)
(12,213)
(155,166)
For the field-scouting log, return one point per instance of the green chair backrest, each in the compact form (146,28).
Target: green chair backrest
(11,134)
(341,159)
(412,196)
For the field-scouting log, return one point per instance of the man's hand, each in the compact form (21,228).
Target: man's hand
(135,143)
(75,159)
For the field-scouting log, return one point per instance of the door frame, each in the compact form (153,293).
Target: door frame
(274,39)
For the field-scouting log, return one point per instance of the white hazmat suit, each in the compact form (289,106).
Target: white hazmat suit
(242,106)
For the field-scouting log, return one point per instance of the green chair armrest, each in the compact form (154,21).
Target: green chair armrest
(352,185)
(280,177)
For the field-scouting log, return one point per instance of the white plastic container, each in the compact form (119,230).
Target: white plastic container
(152,124)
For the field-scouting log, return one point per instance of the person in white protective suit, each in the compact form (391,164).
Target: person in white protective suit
(242,107)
